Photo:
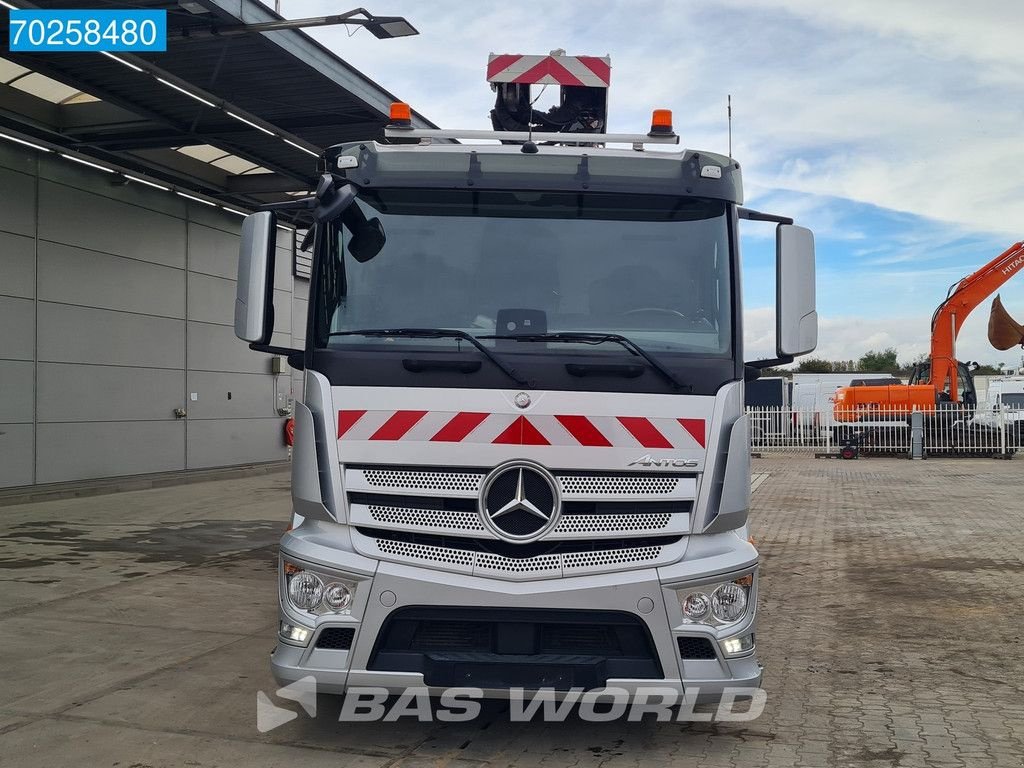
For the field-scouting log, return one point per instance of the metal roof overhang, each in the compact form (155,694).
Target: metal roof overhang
(283,81)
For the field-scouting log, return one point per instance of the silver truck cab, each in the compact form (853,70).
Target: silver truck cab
(521,458)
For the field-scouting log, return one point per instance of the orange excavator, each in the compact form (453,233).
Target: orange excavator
(943,379)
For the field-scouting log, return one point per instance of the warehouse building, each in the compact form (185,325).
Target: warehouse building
(123,180)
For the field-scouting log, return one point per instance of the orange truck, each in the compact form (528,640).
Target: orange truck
(943,379)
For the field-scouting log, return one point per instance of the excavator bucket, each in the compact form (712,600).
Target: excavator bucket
(1003,331)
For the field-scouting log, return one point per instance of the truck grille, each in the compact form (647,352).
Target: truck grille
(609,521)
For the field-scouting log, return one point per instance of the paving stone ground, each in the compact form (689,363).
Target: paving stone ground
(135,628)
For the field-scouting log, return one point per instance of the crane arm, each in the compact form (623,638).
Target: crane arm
(961,301)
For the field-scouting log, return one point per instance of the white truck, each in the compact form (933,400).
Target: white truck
(521,459)
(1003,405)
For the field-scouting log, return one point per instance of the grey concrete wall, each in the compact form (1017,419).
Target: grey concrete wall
(116,308)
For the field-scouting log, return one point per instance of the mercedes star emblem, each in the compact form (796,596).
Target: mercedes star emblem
(519,502)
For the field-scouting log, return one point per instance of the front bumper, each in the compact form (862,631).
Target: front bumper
(641,596)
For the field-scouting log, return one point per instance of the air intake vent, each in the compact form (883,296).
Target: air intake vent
(696,648)
(336,638)
(451,636)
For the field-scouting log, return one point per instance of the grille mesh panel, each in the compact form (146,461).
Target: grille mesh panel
(513,565)
(608,523)
(469,481)
(423,552)
(423,480)
(435,519)
(427,518)
(611,557)
(639,485)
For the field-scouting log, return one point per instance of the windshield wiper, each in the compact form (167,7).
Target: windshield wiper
(600,338)
(438,333)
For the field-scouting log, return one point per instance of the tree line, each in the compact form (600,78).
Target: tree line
(880,361)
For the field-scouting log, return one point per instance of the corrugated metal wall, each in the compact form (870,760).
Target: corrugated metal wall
(116,308)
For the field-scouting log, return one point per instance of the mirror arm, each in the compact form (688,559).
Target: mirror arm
(751,215)
(295,356)
(759,364)
(302,204)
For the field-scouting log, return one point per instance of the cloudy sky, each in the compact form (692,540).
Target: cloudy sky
(892,128)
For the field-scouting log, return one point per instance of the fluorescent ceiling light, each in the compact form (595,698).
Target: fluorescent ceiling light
(86,162)
(147,183)
(232,210)
(249,123)
(178,88)
(119,60)
(297,146)
(197,199)
(26,143)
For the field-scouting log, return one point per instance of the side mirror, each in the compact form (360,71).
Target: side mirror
(254,301)
(796,329)
(367,240)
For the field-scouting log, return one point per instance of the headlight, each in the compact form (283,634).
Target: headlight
(729,603)
(696,606)
(317,593)
(716,605)
(337,597)
(305,590)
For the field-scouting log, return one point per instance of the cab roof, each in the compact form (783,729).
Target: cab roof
(553,167)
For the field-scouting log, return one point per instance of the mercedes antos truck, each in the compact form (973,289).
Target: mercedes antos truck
(521,460)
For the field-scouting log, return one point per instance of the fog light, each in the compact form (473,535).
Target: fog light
(305,590)
(733,646)
(729,602)
(294,633)
(337,597)
(696,606)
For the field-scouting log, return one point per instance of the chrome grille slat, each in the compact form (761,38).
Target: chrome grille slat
(570,526)
(573,486)
(413,519)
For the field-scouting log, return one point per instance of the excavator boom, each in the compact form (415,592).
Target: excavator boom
(961,301)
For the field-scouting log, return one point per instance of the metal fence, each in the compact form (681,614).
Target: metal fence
(954,431)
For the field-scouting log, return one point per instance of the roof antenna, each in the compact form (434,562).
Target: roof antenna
(729,112)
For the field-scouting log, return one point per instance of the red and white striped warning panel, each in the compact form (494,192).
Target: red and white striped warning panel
(514,429)
(592,71)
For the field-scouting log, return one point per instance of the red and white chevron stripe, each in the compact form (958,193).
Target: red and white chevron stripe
(513,429)
(593,71)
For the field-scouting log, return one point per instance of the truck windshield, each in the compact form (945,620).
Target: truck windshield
(654,269)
